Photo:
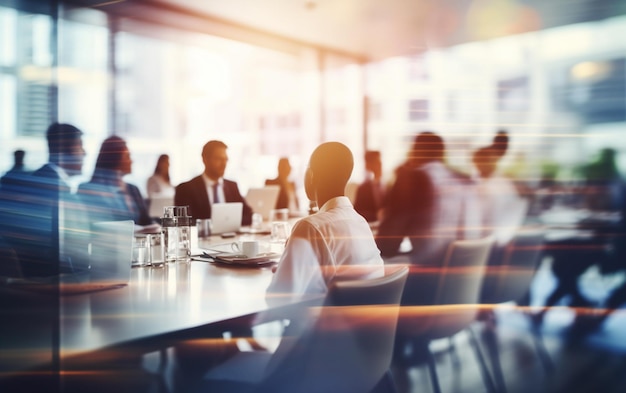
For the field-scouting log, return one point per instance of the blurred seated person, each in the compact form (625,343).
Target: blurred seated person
(159,185)
(18,170)
(370,194)
(336,242)
(40,218)
(107,196)
(210,187)
(287,196)
(429,203)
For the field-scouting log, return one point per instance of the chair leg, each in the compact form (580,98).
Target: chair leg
(481,360)
(432,368)
(491,340)
(542,352)
(456,361)
(386,384)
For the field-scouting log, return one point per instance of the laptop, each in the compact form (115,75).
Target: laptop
(262,200)
(157,204)
(226,217)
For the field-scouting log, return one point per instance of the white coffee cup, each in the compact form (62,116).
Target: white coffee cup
(249,248)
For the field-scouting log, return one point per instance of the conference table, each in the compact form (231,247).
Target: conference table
(160,307)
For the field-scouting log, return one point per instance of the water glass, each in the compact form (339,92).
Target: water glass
(141,251)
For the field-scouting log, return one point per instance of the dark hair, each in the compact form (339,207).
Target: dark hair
(428,146)
(110,154)
(500,143)
(61,137)
(160,161)
(18,156)
(211,146)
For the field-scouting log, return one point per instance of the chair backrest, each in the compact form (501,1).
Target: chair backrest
(511,280)
(455,303)
(350,346)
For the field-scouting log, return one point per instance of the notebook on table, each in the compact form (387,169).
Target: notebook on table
(262,200)
(226,217)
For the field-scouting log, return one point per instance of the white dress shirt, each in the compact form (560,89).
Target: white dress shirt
(336,242)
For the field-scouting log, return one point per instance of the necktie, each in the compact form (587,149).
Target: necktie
(216,198)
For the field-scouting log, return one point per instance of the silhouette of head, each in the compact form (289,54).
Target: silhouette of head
(284,168)
(500,143)
(65,147)
(18,158)
(329,170)
(373,163)
(215,159)
(114,155)
(427,147)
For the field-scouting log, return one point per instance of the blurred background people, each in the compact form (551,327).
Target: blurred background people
(370,194)
(287,196)
(210,187)
(159,184)
(107,196)
(427,204)
(503,210)
(18,170)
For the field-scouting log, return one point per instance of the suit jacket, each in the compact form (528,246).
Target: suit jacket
(365,202)
(433,206)
(193,193)
(30,222)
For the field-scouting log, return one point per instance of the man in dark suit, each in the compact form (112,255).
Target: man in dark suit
(201,192)
(40,216)
(370,194)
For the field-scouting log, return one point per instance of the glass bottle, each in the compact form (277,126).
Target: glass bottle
(183,223)
(169,225)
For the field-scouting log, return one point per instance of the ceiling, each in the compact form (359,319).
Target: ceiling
(376,29)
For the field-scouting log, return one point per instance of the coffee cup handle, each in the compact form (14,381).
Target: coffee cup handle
(235,247)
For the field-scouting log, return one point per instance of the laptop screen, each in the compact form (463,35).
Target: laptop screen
(226,217)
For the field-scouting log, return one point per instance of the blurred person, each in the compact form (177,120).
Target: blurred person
(287,195)
(503,210)
(324,246)
(429,203)
(210,187)
(107,195)
(370,194)
(18,170)
(41,218)
(159,184)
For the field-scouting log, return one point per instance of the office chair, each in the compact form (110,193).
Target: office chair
(451,309)
(509,281)
(347,349)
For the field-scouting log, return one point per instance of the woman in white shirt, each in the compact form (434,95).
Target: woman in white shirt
(159,184)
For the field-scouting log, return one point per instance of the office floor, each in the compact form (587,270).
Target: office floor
(593,362)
